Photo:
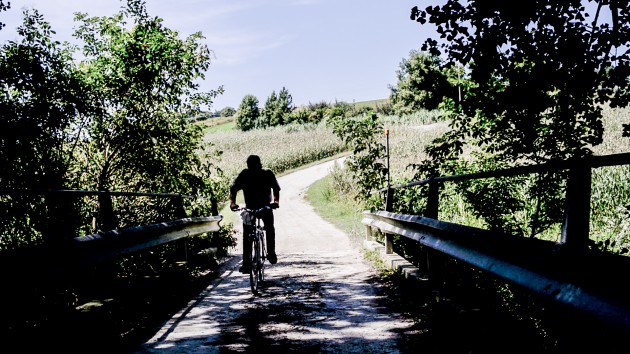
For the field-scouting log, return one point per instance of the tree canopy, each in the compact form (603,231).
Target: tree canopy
(536,76)
(422,84)
(248,113)
(540,70)
(142,76)
(277,109)
(112,120)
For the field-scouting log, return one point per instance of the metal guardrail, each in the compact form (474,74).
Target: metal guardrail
(71,254)
(567,272)
(114,243)
(587,281)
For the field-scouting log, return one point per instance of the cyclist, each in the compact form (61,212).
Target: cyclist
(260,188)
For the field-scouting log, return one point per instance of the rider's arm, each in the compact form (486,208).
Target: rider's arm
(233,192)
(276,197)
(234,188)
(275,187)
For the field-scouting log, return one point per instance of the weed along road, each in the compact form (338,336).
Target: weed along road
(318,298)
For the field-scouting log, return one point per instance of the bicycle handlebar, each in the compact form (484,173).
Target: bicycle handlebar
(270,206)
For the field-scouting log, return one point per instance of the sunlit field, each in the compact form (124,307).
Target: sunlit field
(280,148)
(289,147)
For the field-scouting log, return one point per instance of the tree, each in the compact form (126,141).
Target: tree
(142,78)
(421,84)
(42,100)
(285,105)
(278,108)
(361,135)
(228,112)
(248,113)
(539,72)
(270,112)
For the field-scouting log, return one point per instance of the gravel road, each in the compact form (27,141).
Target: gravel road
(319,298)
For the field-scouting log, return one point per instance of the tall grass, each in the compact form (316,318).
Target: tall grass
(610,198)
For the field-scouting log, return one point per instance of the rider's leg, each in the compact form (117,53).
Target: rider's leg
(247,249)
(270,232)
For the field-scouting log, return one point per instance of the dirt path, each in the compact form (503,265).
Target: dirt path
(319,297)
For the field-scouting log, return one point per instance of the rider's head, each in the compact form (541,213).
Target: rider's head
(253,162)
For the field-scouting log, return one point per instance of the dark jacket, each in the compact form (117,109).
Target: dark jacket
(258,187)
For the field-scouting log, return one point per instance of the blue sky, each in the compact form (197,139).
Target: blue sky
(320,50)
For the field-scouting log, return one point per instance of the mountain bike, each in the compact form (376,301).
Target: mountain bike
(258,256)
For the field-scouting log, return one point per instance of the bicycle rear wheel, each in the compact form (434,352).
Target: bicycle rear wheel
(253,273)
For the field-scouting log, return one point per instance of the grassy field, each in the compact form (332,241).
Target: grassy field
(215,125)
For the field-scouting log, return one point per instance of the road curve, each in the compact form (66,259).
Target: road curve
(318,298)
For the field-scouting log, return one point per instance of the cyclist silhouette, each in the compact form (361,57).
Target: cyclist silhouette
(260,188)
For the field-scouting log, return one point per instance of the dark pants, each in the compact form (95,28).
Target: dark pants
(270,232)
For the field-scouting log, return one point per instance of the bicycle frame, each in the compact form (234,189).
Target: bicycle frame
(258,252)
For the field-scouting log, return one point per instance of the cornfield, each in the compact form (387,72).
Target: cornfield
(284,148)
(280,148)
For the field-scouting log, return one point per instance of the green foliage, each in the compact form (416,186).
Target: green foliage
(360,134)
(519,205)
(248,113)
(271,115)
(536,75)
(117,120)
(537,102)
(142,79)
(228,112)
(422,84)
(299,116)
(277,109)
(42,100)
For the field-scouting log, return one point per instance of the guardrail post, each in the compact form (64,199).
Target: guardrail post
(433,200)
(107,217)
(59,217)
(434,260)
(575,228)
(368,233)
(389,199)
(389,206)
(179,205)
(389,245)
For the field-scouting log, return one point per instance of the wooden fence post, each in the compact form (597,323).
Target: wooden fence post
(575,228)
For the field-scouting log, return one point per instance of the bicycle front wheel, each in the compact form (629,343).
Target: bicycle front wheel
(254,270)
(263,253)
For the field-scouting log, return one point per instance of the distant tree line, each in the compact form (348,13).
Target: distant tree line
(280,110)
